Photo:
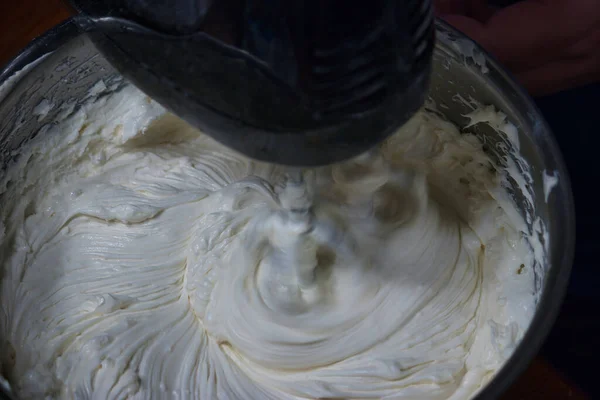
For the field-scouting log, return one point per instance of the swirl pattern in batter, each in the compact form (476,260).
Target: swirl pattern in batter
(142,260)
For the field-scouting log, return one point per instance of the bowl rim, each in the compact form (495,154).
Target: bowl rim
(40,46)
(556,279)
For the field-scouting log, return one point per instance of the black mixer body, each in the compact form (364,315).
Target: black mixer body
(293,82)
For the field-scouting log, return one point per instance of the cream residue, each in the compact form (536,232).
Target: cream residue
(42,109)
(16,77)
(550,182)
(143,260)
(466,48)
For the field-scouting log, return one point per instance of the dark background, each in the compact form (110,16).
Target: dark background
(574,342)
(567,367)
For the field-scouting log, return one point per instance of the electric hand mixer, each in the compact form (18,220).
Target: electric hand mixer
(300,83)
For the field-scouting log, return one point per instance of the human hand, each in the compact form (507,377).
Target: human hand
(550,45)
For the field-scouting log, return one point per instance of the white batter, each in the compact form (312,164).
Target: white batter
(144,261)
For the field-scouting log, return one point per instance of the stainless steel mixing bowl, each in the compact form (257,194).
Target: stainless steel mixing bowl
(71,66)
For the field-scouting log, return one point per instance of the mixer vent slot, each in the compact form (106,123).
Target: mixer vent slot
(420,17)
(352,76)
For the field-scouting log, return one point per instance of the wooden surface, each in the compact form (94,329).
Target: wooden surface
(23,20)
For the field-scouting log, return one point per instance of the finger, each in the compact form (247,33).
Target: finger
(560,75)
(522,61)
(532,33)
(479,10)
(450,7)
(589,44)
